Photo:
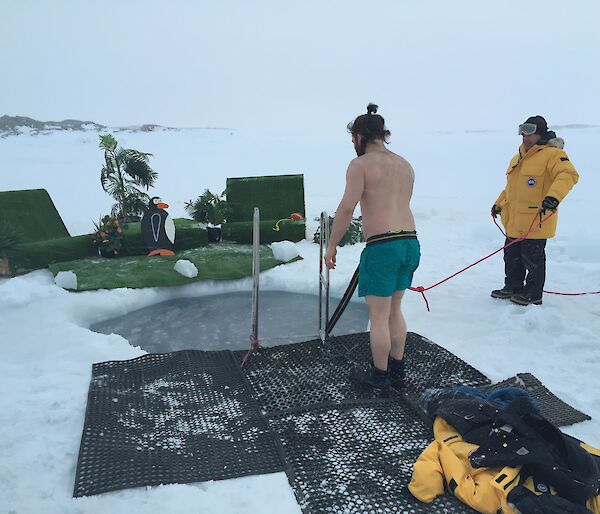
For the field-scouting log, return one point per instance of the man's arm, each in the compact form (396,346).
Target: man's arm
(563,175)
(501,200)
(355,185)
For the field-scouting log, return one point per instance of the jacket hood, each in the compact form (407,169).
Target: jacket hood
(557,142)
(551,139)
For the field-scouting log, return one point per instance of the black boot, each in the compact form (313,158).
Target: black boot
(526,299)
(506,292)
(396,368)
(372,379)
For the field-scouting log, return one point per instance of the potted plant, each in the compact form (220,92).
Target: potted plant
(8,241)
(108,236)
(211,210)
(125,170)
(352,236)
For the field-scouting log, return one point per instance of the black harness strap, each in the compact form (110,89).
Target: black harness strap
(343,303)
(380,238)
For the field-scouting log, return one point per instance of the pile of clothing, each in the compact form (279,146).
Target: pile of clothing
(498,454)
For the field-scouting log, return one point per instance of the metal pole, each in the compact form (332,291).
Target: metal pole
(255,273)
(326,243)
(323,275)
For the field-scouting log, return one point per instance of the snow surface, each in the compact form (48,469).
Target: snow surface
(48,349)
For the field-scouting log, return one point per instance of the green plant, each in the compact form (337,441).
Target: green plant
(209,208)
(352,236)
(125,170)
(108,236)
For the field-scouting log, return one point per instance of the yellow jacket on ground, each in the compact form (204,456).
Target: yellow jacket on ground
(545,170)
(446,461)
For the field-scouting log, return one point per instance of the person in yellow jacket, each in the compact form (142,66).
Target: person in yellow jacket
(537,180)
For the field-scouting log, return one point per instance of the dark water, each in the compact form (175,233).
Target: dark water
(222,322)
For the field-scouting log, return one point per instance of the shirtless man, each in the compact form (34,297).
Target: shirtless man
(382,182)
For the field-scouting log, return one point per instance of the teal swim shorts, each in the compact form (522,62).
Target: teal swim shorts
(388,266)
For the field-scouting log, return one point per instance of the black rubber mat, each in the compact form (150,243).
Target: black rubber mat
(556,411)
(193,416)
(311,373)
(357,457)
(171,418)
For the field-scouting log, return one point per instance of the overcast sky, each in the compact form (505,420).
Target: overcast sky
(302,65)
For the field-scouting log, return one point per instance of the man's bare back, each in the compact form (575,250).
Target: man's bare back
(388,187)
(382,182)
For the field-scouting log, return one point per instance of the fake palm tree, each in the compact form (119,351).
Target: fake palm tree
(125,171)
(209,208)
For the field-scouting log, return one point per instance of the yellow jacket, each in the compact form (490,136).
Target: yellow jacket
(545,170)
(446,461)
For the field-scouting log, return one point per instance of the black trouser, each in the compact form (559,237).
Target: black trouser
(525,262)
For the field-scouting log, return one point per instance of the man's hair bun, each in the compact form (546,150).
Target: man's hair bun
(370,125)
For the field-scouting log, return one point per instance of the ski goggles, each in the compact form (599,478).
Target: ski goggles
(527,129)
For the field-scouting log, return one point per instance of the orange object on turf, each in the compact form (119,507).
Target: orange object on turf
(295,216)
(168,253)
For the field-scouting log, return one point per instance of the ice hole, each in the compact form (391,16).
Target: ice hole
(222,322)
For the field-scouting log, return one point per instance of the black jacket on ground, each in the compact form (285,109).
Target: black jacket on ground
(517,435)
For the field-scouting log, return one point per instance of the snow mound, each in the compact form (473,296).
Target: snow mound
(22,291)
(285,250)
(66,279)
(186,268)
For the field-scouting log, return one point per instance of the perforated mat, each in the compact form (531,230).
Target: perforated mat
(356,458)
(171,418)
(311,373)
(553,408)
(194,416)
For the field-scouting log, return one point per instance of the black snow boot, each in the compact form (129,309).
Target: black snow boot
(396,368)
(371,379)
(526,299)
(506,292)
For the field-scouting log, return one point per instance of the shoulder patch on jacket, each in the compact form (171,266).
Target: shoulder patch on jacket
(564,158)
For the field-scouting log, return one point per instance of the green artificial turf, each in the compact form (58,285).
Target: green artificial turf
(220,261)
(33,214)
(241,231)
(276,197)
(45,252)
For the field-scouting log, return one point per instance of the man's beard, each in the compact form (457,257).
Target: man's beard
(360,147)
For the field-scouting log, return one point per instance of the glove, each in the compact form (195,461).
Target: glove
(496,210)
(549,203)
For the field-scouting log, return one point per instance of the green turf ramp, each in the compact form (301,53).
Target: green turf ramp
(277,196)
(33,214)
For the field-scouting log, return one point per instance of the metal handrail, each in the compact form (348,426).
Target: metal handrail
(255,272)
(323,276)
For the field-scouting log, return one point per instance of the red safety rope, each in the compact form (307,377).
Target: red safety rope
(421,289)
(253,346)
(571,294)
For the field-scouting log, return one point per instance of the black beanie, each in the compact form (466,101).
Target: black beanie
(540,123)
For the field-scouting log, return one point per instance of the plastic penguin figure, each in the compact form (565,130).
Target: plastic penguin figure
(158,229)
